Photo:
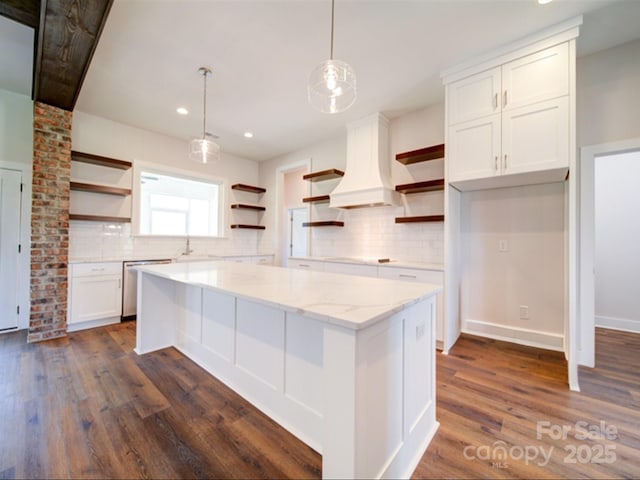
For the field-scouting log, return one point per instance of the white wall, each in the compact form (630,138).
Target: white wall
(372,232)
(617,241)
(530,273)
(102,241)
(608,102)
(16,153)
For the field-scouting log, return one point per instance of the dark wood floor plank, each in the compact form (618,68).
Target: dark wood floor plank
(88,407)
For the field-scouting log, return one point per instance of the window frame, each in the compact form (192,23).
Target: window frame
(156,169)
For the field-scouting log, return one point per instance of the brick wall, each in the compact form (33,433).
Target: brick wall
(50,222)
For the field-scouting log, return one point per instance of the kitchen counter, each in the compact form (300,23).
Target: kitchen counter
(375,261)
(131,258)
(345,364)
(322,296)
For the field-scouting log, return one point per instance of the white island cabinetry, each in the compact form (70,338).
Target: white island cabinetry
(95,294)
(346,364)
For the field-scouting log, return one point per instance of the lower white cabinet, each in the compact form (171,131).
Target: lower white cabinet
(352,269)
(257,259)
(306,264)
(427,276)
(95,294)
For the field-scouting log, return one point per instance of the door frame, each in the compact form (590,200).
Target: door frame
(586,287)
(24,262)
(281,211)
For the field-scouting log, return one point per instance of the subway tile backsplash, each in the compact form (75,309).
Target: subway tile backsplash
(107,241)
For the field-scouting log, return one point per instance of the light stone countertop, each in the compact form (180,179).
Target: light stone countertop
(132,258)
(374,261)
(351,302)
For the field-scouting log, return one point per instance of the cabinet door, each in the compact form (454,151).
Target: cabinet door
(538,77)
(306,264)
(536,137)
(474,149)
(351,269)
(95,297)
(474,97)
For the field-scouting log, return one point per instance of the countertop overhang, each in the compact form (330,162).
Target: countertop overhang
(347,301)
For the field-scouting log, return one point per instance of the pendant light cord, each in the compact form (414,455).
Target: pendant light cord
(205,72)
(332,9)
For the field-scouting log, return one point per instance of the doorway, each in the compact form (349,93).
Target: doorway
(298,245)
(10,208)
(609,239)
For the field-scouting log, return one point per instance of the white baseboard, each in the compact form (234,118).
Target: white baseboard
(623,324)
(522,336)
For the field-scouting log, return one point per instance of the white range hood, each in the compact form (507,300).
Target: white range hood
(366,181)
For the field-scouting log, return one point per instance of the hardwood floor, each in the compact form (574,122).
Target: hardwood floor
(86,406)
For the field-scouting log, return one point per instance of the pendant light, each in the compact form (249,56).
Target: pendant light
(332,84)
(204,149)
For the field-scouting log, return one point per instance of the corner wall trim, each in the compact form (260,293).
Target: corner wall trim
(522,336)
(623,324)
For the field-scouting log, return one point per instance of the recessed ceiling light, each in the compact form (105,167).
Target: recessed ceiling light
(544,2)
(182,111)
(248,135)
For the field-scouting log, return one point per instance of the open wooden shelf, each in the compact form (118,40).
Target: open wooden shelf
(99,160)
(248,227)
(246,206)
(420,219)
(316,199)
(421,155)
(89,187)
(322,175)
(248,188)
(98,218)
(419,187)
(328,223)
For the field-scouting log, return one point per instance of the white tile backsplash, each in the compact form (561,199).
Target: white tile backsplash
(372,232)
(107,241)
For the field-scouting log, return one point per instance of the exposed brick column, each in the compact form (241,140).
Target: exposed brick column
(50,222)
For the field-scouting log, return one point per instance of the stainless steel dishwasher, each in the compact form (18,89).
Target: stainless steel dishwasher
(130,286)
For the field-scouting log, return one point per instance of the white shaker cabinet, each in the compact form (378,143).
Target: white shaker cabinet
(511,119)
(351,269)
(95,294)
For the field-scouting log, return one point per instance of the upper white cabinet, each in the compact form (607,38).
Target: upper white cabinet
(512,119)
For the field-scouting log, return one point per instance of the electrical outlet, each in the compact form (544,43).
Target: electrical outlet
(503,245)
(524,312)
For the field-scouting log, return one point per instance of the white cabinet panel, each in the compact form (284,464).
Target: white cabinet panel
(535,137)
(352,269)
(189,321)
(304,362)
(95,292)
(475,96)
(218,323)
(474,148)
(306,264)
(260,342)
(263,259)
(541,76)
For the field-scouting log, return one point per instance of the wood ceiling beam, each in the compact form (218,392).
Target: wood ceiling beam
(68,34)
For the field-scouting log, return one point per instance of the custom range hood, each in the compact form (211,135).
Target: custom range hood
(366,181)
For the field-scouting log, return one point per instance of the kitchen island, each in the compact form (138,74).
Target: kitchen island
(346,364)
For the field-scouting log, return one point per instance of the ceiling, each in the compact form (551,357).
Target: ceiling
(261,53)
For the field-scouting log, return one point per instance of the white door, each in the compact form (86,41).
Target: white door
(474,97)
(474,149)
(10,196)
(297,233)
(536,137)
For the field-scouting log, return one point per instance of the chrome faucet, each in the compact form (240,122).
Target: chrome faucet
(187,250)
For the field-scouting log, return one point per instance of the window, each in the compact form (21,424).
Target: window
(176,205)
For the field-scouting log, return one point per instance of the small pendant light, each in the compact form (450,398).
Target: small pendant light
(332,84)
(204,149)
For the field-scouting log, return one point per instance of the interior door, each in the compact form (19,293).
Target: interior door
(10,181)
(297,233)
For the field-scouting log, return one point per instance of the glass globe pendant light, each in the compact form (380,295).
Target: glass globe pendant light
(332,84)
(204,149)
